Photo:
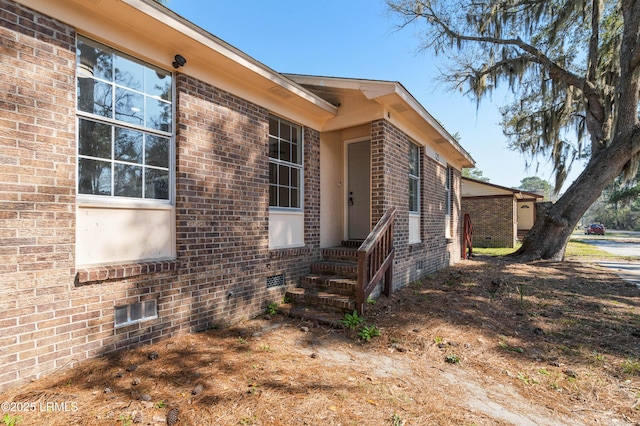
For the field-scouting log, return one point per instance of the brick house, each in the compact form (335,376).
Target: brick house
(143,196)
(500,216)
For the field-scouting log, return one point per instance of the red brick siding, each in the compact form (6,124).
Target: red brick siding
(493,220)
(390,183)
(51,316)
(37,192)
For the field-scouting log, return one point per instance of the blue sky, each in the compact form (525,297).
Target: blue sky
(359,39)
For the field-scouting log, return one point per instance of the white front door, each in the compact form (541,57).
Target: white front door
(359,190)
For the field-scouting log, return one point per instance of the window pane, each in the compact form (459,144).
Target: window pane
(122,315)
(285,131)
(413,160)
(94,139)
(128,146)
(285,151)
(295,178)
(413,195)
(273,173)
(273,126)
(283,194)
(283,178)
(157,83)
(94,177)
(295,154)
(156,184)
(273,147)
(150,309)
(157,151)
(273,195)
(295,198)
(95,97)
(136,311)
(158,115)
(94,60)
(127,181)
(129,107)
(128,73)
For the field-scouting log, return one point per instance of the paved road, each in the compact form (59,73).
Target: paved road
(619,247)
(621,243)
(627,271)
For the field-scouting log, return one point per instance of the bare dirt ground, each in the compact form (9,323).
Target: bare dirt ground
(486,342)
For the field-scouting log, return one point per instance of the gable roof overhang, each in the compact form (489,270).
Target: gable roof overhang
(393,102)
(152,32)
(486,189)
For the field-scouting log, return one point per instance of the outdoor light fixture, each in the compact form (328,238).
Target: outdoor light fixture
(179,61)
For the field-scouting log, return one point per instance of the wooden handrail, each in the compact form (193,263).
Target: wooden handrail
(467,237)
(375,259)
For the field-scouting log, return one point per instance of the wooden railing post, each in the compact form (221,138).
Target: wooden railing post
(375,260)
(467,237)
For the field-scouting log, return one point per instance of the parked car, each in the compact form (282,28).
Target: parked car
(595,229)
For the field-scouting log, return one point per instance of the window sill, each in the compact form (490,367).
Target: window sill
(289,252)
(94,274)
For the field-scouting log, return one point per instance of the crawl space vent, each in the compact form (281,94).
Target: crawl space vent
(275,281)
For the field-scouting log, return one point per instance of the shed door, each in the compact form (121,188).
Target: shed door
(359,190)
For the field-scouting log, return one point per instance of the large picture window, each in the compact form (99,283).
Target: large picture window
(285,164)
(124,111)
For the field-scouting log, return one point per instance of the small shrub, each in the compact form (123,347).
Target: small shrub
(452,359)
(272,309)
(352,321)
(368,332)
(9,420)
(396,420)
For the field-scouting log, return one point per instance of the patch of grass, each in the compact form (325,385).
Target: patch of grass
(575,248)
(9,420)
(507,347)
(631,366)
(581,249)
(526,379)
(495,251)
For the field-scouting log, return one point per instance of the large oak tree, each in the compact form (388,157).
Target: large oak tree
(574,69)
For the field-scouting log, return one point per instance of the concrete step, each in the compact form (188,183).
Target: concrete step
(321,299)
(336,284)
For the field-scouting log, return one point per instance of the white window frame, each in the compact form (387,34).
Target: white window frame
(286,223)
(114,229)
(448,201)
(278,162)
(114,123)
(414,178)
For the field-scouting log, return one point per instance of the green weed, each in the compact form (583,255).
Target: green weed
(9,420)
(352,321)
(369,332)
(272,309)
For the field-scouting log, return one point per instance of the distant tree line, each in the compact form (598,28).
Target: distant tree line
(618,207)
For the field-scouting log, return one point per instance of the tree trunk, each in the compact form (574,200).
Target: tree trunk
(554,224)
